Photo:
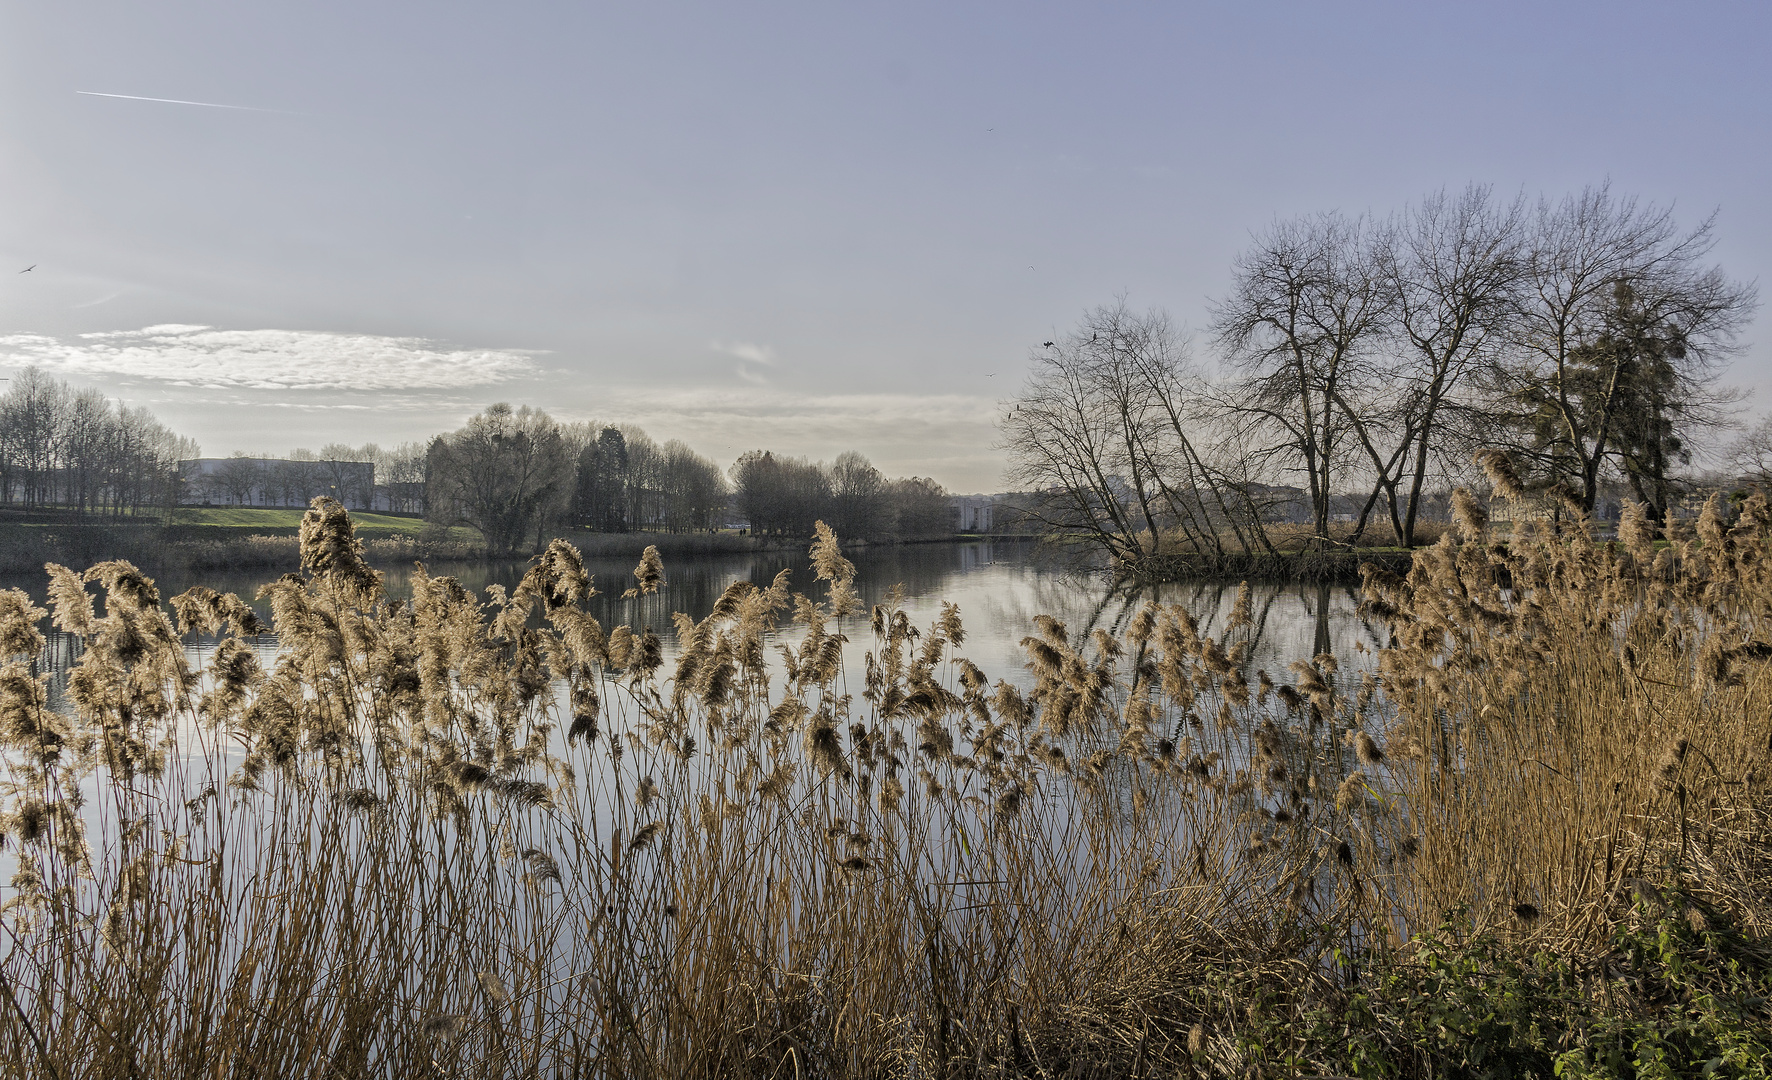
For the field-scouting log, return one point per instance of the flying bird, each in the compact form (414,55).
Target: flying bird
(1047,345)
(28,269)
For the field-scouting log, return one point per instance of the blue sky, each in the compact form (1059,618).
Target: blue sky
(808,227)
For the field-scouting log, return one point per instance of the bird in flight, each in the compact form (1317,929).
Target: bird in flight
(28,269)
(1047,345)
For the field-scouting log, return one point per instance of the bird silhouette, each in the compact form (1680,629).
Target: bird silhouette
(28,269)
(1047,345)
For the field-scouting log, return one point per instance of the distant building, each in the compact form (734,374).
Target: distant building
(973,513)
(276,482)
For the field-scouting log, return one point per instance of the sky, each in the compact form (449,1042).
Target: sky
(803,227)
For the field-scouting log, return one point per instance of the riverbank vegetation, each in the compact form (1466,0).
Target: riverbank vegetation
(1357,364)
(518,477)
(210,538)
(487,836)
(86,478)
(241,538)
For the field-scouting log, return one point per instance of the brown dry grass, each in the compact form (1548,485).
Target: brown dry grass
(456,837)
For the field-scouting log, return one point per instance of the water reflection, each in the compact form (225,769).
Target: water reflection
(998,586)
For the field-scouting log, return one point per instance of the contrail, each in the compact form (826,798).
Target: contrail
(176,101)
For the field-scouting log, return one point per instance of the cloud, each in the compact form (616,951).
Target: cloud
(185,355)
(947,436)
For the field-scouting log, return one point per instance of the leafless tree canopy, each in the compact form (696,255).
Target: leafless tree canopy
(1365,362)
(506,472)
(1303,322)
(77,450)
(785,496)
(1125,443)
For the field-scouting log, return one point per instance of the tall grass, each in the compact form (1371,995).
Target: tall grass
(487,836)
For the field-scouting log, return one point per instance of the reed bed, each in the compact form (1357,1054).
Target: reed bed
(486,836)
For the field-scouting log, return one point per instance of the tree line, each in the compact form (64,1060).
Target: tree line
(785,496)
(75,449)
(1363,363)
(515,474)
(518,476)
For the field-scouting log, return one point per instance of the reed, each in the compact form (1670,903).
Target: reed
(473,835)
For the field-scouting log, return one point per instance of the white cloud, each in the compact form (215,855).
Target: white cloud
(185,355)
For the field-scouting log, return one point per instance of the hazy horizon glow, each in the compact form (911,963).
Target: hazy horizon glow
(792,226)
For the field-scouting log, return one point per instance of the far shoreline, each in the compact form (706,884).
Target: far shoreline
(25,546)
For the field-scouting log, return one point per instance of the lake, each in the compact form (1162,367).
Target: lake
(999,587)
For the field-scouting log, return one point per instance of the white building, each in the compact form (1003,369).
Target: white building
(973,513)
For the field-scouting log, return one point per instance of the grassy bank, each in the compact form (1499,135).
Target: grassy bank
(1533,839)
(226,538)
(25,548)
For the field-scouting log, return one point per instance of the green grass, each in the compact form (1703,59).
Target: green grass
(208,521)
(274,518)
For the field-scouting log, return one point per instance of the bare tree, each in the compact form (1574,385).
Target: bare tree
(1617,314)
(1453,264)
(644,493)
(32,422)
(237,478)
(1107,432)
(920,508)
(76,449)
(347,478)
(858,498)
(1302,320)
(694,491)
(1750,457)
(1067,442)
(506,473)
(300,477)
(780,496)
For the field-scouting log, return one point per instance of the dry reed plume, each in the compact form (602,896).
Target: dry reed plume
(486,836)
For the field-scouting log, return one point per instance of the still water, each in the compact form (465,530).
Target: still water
(998,586)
